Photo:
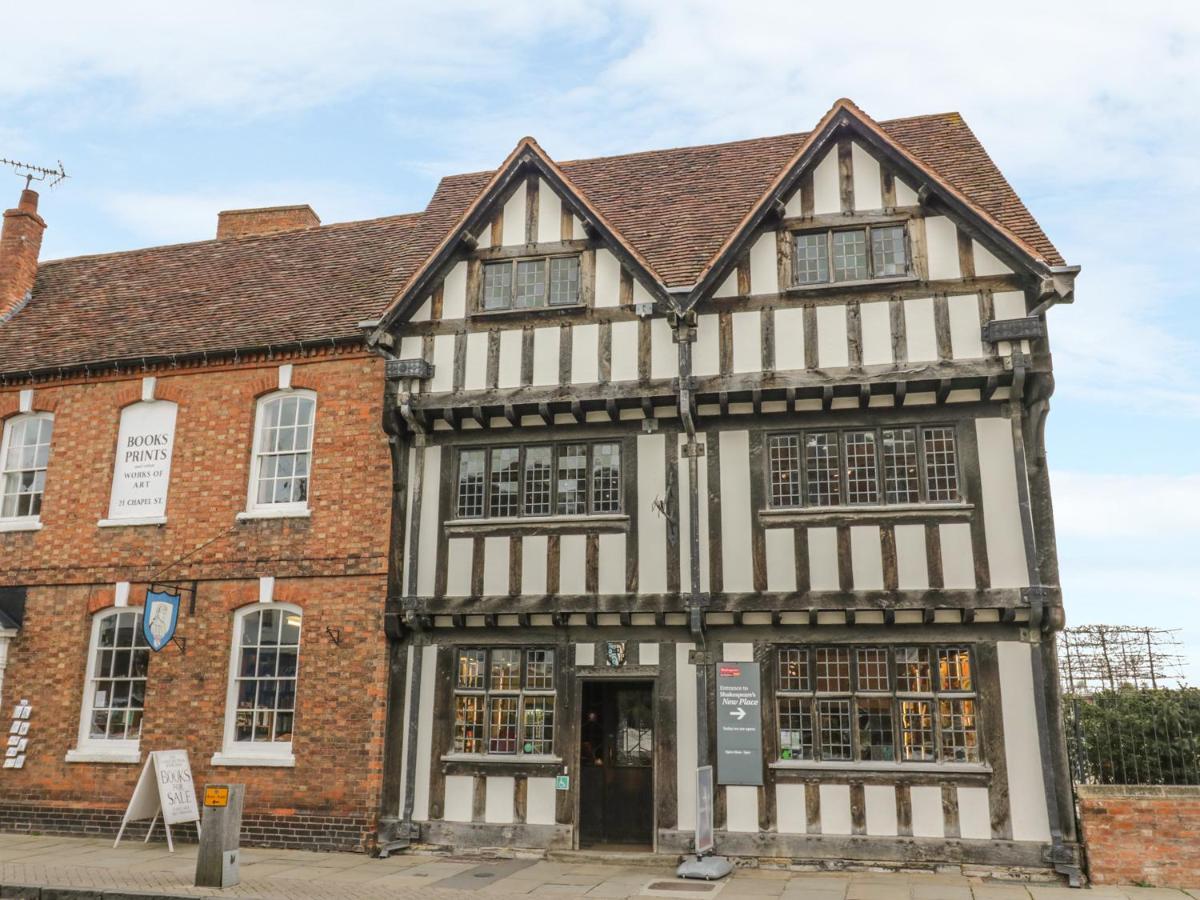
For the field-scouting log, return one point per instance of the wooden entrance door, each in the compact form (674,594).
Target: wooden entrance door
(616,801)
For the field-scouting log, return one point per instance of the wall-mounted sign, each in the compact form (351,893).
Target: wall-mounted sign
(159,618)
(739,723)
(142,471)
(216,796)
(614,653)
(18,740)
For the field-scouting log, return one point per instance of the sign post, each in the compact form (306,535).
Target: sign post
(739,723)
(217,860)
(163,789)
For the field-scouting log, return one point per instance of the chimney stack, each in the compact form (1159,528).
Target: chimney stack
(20,243)
(235,223)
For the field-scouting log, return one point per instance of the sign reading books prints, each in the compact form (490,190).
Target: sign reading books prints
(164,789)
(143,468)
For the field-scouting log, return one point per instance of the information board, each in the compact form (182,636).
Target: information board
(739,723)
(142,471)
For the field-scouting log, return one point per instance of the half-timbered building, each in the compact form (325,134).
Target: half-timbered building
(776,401)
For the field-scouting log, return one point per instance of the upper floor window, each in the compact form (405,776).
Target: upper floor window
(261,706)
(24,454)
(863,467)
(504,701)
(513,284)
(114,696)
(877,704)
(283,436)
(852,254)
(539,480)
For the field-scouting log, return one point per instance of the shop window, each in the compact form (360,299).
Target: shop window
(504,700)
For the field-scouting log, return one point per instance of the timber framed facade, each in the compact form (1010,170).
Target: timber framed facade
(820,449)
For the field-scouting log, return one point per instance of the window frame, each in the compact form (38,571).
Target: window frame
(867,228)
(255,753)
(513,262)
(521,693)
(31,520)
(881,484)
(811,697)
(92,749)
(555,448)
(289,508)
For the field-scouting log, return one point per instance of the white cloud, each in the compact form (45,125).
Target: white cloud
(1156,507)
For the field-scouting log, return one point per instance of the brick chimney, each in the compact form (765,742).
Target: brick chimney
(20,243)
(235,223)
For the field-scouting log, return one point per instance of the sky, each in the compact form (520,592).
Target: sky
(164,114)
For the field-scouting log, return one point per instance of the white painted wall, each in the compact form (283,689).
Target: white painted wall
(789,339)
(941,243)
(510,358)
(540,801)
(454,292)
(868,189)
(685,543)
(1026,789)
(428,539)
(965,338)
(905,196)
(780,544)
(498,803)
(764,271)
(986,263)
(443,363)
(459,552)
(652,527)
(495,566)
(912,568)
(833,349)
(545,355)
(514,218)
(611,563)
(974,817)
(624,351)
(876,334)
(919,332)
(572,572)
(533,564)
(728,287)
(747,341)
(736,555)
(585,354)
(880,802)
(475,372)
(549,214)
(608,279)
(866,557)
(835,809)
(664,359)
(706,353)
(822,559)
(741,808)
(958,560)
(928,818)
(460,798)
(685,737)
(827,195)
(425,732)
(791,811)
(1001,512)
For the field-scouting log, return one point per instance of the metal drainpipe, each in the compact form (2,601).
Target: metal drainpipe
(1064,860)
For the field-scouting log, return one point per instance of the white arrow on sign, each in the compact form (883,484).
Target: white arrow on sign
(739,714)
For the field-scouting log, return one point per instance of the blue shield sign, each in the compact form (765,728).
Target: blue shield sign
(159,618)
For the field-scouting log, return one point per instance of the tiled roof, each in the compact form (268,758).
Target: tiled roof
(675,207)
(308,285)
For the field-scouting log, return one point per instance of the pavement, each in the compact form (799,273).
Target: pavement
(47,867)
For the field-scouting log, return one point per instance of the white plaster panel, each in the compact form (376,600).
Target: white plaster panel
(941,243)
(475,372)
(540,801)
(764,270)
(866,558)
(737,651)
(585,354)
(545,355)
(823,559)
(789,339)
(443,363)
(741,808)
(790,808)
(652,527)
(514,218)
(405,749)
(958,561)
(428,539)
(664,361)
(747,341)
(965,339)
(495,566)
(685,543)
(736,553)
(780,545)
(974,816)
(827,194)
(648,652)
(454,292)
(577,230)
(905,196)
(880,802)
(835,809)
(424,311)
(549,228)
(833,349)
(919,331)
(1026,791)
(498,805)
(572,576)
(986,262)
(410,347)
(459,552)
(706,352)
(1008,304)
(611,563)
(624,351)
(868,190)
(912,568)
(876,334)
(928,817)
(685,737)
(425,732)
(460,798)
(533,564)
(1001,512)
(509,374)
(608,279)
(728,287)
(640,294)
(585,654)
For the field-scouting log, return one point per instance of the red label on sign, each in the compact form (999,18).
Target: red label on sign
(733,671)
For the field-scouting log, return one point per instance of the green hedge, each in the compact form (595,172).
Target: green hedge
(1132,736)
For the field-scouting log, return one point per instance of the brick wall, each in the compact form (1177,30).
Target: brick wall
(332,564)
(1142,834)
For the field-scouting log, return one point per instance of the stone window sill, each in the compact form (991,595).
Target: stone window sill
(132,521)
(27,524)
(808,765)
(503,758)
(251,514)
(820,514)
(121,757)
(278,760)
(536,525)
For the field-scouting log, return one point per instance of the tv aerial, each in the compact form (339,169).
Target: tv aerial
(32,173)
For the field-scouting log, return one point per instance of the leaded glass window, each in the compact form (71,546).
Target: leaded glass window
(606,478)
(539,480)
(784,453)
(471,464)
(862,476)
(518,284)
(941,464)
(858,254)
(889,255)
(497,286)
(504,701)
(901,474)
(850,255)
(530,291)
(811,263)
(505,481)
(564,281)
(24,456)
(822,469)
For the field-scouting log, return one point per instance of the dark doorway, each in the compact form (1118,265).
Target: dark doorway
(616,798)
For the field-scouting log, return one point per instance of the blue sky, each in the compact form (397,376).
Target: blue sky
(166,113)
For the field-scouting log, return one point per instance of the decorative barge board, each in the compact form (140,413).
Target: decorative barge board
(800,453)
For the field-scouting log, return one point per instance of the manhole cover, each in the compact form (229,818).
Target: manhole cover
(693,887)
(485,874)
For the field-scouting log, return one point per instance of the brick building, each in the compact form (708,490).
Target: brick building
(203,416)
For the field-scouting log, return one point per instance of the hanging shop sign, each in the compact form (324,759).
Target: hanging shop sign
(159,618)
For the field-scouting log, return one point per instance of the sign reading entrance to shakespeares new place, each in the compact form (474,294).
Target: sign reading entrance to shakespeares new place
(739,723)
(142,471)
(164,789)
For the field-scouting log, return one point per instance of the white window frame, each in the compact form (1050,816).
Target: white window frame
(253,753)
(21,523)
(87,748)
(300,508)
